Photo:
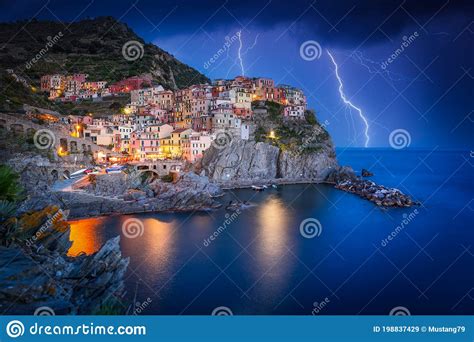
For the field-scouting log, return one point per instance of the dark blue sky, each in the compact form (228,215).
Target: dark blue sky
(426,90)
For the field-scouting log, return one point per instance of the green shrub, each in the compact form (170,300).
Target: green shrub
(10,188)
(167,178)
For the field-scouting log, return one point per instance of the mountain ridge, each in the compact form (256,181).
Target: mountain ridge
(93,46)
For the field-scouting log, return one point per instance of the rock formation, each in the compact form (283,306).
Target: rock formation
(36,271)
(127,193)
(246,162)
(366,173)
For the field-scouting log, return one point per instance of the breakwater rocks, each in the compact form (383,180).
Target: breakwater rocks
(380,195)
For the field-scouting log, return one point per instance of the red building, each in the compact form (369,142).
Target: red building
(202,123)
(129,84)
(243,113)
(279,95)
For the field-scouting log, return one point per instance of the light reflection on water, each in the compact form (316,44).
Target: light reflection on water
(155,246)
(275,230)
(273,221)
(85,236)
(260,264)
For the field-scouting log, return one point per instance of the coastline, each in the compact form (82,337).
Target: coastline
(121,207)
(379,196)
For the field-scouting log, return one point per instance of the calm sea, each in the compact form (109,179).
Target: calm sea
(260,262)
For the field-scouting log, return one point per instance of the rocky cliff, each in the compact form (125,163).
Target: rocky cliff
(280,150)
(37,274)
(247,161)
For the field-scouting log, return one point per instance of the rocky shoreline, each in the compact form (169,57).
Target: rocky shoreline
(132,193)
(128,194)
(36,240)
(37,273)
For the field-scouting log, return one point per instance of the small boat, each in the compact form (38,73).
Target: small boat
(274,186)
(257,188)
(221,194)
(114,169)
(238,205)
(93,171)
(79,173)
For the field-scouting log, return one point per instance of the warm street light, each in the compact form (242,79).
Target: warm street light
(272,135)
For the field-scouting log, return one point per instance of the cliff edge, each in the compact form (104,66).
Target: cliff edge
(279,149)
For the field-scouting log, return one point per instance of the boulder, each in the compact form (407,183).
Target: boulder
(340,174)
(366,173)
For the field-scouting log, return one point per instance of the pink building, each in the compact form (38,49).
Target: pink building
(145,145)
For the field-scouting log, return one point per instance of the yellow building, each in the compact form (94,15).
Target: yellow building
(171,147)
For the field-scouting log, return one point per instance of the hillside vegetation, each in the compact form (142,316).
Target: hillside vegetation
(296,136)
(92,46)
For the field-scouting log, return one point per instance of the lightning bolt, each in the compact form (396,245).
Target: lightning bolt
(239,55)
(349,103)
(374,67)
